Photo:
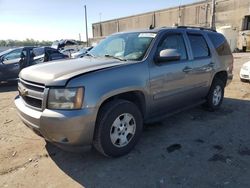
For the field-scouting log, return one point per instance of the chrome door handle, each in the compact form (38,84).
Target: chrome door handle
(187,69)
(211,64)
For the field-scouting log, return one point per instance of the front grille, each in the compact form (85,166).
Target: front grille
(33,102)
(31,93)
(245,76)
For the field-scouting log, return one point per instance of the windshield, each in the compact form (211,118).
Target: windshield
(127,46)
(5,52)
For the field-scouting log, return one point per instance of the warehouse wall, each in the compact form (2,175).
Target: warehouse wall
(228,12)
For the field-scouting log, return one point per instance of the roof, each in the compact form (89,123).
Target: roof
(156,30)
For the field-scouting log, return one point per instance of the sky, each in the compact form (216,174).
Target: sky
(64,19)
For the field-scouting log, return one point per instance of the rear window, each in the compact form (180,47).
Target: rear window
(199,46)
(220,44)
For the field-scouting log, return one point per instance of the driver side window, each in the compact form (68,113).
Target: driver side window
(174,41)
(13,55)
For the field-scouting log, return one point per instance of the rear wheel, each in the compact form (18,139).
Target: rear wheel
(118,129)
(215,95)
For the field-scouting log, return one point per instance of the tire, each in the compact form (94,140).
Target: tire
(215,95)
(112,140)
(243,80)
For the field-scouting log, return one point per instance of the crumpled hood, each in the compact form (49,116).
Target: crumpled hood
(59,72)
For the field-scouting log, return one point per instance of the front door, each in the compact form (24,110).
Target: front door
(11,64)
(170,81)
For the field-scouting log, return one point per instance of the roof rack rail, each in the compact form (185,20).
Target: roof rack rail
(200,28)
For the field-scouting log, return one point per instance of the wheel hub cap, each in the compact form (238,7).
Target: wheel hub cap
(217,95)
(122,130)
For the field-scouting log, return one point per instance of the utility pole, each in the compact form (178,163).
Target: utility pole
(179,16)
(80,37)
(100,15)
(206,9)
(86,24)
(212,23)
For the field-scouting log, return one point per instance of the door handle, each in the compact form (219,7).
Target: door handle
(187,69)
(211,64)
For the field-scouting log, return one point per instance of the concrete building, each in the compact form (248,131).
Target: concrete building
(234,14)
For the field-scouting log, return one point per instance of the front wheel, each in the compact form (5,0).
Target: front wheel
(118,129)
(215,95)
(243,80)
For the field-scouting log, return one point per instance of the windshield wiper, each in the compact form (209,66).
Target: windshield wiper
(89,54)
(114,57)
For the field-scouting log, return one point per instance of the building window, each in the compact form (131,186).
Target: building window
(247,23)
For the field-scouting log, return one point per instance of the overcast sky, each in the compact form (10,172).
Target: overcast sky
(57,19)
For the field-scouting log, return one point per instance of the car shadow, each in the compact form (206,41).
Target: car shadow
(8,87)
(156,160)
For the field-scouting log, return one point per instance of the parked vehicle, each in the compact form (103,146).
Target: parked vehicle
(245,72)
(58,45)
(69,51)
(127,80)
(81,53)
(12,61)
(44,54)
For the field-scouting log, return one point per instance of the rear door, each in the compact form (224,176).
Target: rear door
(201,63)
(170,81)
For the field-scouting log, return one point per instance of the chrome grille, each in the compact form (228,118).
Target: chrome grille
(245,76)
(31,93)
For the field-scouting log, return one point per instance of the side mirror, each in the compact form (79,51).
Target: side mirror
(168,55)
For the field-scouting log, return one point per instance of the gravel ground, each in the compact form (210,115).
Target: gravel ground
(194,148)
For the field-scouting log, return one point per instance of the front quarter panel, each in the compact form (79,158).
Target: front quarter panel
(102,84)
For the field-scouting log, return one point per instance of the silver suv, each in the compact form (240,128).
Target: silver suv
(127,80)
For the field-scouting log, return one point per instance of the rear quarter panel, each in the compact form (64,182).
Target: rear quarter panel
(223,62)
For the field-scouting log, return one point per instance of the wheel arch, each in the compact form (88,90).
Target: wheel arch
(135,96)
(222,75)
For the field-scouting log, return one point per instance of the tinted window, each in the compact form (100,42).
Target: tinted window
(13,55)
(174,41)
(220,44)
(38,51)
(199,46)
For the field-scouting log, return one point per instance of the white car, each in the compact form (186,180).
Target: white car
(245,72)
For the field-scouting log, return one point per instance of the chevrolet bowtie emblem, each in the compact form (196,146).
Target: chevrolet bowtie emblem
(24,92)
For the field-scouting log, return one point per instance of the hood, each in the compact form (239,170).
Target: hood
(59,72)
(247,64)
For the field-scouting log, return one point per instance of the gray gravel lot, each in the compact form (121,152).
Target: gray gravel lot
(195,148)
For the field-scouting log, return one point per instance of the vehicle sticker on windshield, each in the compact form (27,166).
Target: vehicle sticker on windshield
(149,35)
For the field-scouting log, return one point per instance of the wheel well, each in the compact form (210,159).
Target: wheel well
(222,76)
(136,97)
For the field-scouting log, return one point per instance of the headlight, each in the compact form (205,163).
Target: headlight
(68,98)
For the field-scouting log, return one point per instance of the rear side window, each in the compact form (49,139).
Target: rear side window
(220,44)
(38,51)
(199,46)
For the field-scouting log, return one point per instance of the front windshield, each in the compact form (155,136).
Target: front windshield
(5,52)
(127,46)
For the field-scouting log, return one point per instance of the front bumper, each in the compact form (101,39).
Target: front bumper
(244,74)
(62,127)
